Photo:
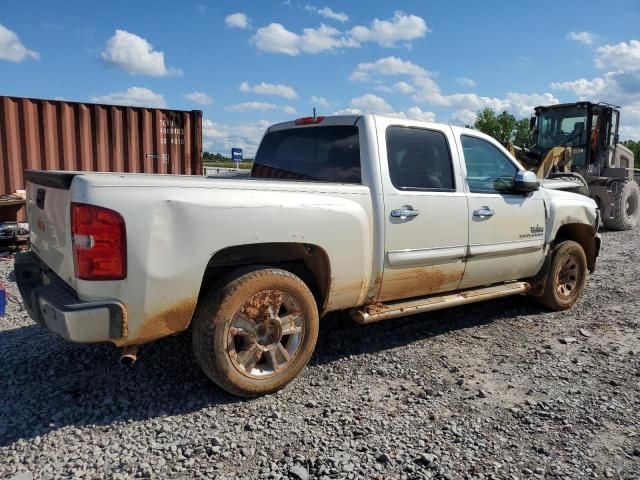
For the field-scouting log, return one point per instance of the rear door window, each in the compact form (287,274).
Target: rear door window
(324,154)
(419,159)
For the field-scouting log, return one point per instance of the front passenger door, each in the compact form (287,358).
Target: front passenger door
(506,228)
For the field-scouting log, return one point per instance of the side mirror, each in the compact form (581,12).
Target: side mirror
(532,122)
(616,139)
(525,181)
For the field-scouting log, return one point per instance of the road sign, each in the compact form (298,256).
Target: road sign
(236,154)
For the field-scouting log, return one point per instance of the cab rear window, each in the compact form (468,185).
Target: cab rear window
(322,154)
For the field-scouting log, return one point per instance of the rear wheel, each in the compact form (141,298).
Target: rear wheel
(626,206)
(255,334)
(567,275)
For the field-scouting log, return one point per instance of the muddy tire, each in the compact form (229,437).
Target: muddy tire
(626,207)
(567,275)
(256,331)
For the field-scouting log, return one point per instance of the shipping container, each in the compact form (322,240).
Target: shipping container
(61,135)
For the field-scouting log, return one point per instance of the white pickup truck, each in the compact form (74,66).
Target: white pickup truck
(378,216)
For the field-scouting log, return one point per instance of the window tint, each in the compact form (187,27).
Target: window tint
(419,159)
(328,154)
(488,169)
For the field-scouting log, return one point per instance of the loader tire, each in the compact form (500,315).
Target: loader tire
(255,331)
(566,278)
(626,206)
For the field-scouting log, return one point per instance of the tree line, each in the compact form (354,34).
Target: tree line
(208,157)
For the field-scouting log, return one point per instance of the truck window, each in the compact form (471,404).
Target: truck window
(419,159)
(488,169)
(324,154)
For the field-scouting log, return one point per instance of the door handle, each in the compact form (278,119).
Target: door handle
(404,212)
(483,212)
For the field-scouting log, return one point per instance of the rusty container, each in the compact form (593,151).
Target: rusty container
(60,135)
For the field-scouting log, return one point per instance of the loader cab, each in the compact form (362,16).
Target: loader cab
(590,129)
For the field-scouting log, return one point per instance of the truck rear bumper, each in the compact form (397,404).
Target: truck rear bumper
(54,305)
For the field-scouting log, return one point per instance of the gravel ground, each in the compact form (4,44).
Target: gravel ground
(495,390)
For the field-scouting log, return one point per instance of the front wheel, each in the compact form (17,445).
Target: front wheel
(567,275)
(257,332)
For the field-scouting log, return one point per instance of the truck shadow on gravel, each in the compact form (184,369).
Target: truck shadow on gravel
(48,383)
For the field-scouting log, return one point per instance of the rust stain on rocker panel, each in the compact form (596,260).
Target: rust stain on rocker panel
(403,283)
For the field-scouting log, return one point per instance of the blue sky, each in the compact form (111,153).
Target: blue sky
(249,64)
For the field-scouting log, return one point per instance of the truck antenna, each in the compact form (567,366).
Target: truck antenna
(314,112)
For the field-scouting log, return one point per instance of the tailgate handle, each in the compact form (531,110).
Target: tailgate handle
(40,198)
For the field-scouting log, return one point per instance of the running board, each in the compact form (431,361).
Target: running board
(383,311)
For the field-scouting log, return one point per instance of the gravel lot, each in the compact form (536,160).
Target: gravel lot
(496,390)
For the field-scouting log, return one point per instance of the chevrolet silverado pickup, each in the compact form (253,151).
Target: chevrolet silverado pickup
(377,216)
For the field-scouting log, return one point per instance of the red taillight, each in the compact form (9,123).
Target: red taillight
(99,243)
(308,120)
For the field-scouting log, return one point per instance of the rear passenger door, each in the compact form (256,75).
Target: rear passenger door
(426,210)
(506,228)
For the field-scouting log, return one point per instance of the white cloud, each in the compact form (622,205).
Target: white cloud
(582,87)
(135,55)
(136,96)
(320,102)
(269,89)
(585,38)
(463,118)
(400,28)
(199,97)
(622,56)
(416,113)
(620,85)
(466,82)
(249,106)
(326,12)
(237,20)
(275,38)
(370,103)
(621,88)
(12,49)
(217,137)
(428,91)
(391,66)
(404,88)
(259,106)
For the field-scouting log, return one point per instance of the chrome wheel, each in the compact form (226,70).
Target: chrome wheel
(265,334)
(568,277)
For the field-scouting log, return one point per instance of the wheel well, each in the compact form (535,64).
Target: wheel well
(309,262)
(583,234)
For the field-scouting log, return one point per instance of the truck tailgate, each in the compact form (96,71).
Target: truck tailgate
(48,213)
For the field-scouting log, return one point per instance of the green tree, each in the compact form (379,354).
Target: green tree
(500,127)
(634,146)
(504,127)
(522,135)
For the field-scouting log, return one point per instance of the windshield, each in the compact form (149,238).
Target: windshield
(563,127)
(325,154)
